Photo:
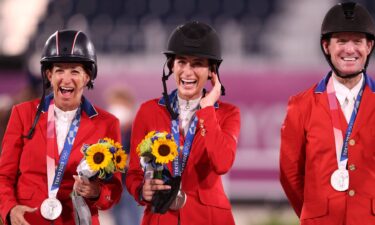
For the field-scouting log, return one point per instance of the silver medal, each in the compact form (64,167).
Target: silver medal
(179,201)
(51,208)
(340,180)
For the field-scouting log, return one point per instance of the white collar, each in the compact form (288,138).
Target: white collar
(64,115)
(342,91)
(188,105)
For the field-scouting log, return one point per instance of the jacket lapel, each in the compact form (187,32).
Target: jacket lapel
(86,128)
(322,99)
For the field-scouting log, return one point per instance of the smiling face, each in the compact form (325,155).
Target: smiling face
(68,81)
(191,74)
(348,51)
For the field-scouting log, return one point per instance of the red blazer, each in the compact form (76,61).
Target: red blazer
(23,178)
(211,156)
(308,158)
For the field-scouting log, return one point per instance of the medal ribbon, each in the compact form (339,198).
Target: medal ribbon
(55,176)
(179,164)
(340,143)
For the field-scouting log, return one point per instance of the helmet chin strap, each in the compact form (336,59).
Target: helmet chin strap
(30,133)
(165,77)
(347,76)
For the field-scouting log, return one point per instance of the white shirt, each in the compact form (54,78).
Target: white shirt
(187,109)
(63,120)
(343,94)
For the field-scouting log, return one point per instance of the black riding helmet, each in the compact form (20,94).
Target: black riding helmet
(347,17)
(65,46)
(69,46)
(195,39)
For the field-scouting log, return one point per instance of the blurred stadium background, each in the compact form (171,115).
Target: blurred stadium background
(270,49)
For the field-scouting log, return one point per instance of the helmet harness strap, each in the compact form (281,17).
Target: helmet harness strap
(40,107)
(165,77)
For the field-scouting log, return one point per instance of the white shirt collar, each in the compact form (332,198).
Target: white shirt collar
(342,91)
(64,115)
(188,105)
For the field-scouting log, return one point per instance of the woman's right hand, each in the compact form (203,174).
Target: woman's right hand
(17,214)
(152,185)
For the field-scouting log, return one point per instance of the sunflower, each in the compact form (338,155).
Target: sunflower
(113,143)
(164,150)
(119,159)
(98,156)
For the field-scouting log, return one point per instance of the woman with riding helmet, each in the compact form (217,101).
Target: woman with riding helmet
(48,133)
(206,128)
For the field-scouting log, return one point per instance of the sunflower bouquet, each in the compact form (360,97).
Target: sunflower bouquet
(102,159)
(156,150)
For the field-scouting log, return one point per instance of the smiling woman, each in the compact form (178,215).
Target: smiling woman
(204,130)
(48,133)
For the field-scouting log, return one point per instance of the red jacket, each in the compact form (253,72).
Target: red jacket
(23,178)
(211,156)
(308,158)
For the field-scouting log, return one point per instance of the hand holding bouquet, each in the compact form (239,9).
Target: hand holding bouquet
(155,151)
(101,160)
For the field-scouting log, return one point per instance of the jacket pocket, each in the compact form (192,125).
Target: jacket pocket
(214,198)
(314,209)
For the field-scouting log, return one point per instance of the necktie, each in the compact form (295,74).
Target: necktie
(348,106)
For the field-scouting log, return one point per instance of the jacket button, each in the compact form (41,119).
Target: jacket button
(351,167)
(351,193)
(351,142)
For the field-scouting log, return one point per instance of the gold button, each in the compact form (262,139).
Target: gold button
(351,193)
(351,167)
(351,142)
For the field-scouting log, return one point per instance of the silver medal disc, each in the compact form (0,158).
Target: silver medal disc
(340,180)
(51,208)
(179,201)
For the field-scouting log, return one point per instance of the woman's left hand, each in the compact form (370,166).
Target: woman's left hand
(86,188)
(214,94)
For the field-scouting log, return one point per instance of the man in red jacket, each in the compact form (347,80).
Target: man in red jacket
(49,133)
(327,157)
(206,127)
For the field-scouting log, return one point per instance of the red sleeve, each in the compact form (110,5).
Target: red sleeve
(220,136)
(292,155)
(111,190)
(134,175)
(9,162)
